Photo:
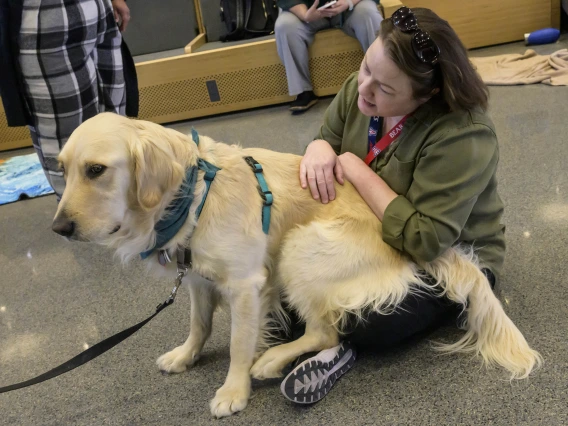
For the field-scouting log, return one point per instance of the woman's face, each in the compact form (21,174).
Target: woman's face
(384,90)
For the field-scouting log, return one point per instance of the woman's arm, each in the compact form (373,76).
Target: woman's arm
(335,116)
(319,167)
(374,190)
(449,176)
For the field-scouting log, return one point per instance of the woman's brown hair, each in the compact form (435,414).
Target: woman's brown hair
(460,86)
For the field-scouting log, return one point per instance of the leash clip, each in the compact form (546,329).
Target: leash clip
(184,264)
(172,297)
(177,285)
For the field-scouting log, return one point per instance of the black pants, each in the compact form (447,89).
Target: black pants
(417,314)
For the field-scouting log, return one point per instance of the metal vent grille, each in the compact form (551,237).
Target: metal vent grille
(234,87)
(242,86)
(333,70)
(10,135)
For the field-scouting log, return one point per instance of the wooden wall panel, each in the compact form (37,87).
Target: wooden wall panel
(488,22)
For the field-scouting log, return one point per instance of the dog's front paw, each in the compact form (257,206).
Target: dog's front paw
(269,365)
(230,399)
(177,360)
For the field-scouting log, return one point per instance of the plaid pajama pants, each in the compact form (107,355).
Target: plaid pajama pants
(71,64)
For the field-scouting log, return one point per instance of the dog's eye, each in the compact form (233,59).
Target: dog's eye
(95,170)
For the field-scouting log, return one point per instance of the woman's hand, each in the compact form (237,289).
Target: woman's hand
(351,166)
(339,7)
(374,190)
(121,13)
(318,168)
(313,14)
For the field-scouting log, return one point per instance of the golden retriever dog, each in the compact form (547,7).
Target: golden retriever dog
(325,260)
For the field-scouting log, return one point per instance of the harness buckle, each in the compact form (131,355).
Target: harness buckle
(184,262)
(255,165)
(267,198)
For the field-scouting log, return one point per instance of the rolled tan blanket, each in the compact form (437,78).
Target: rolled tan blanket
(527,68)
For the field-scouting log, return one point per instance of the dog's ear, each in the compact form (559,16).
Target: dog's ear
(156,170)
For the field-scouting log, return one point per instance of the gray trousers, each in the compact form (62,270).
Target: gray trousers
(293,37)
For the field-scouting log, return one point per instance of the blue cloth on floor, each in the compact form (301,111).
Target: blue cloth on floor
(22,177)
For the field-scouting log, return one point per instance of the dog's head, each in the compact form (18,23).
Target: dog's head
(119,174)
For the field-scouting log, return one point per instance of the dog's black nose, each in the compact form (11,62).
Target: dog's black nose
(63,226)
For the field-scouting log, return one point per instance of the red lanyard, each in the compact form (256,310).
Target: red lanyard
(385,141)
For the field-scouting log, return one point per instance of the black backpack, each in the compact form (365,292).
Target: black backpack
(246,19)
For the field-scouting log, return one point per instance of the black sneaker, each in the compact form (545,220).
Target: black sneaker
(304,101)
(312,379)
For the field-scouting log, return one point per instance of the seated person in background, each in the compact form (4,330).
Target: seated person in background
(295,29)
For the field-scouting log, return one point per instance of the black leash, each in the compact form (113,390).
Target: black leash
(101,347)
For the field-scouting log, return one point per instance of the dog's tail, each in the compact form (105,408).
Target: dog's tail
(489,331)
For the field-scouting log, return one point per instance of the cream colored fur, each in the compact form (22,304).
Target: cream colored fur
(325,260)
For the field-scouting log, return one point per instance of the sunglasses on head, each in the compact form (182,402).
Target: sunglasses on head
(424,47)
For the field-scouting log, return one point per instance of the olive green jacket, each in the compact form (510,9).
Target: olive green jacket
(443,166)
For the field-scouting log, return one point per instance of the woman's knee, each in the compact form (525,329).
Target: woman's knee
(365,10)
(287,24)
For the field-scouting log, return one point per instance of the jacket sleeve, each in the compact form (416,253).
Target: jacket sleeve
(450,175)
(336,115)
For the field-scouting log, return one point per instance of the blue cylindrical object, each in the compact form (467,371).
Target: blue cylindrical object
(546,35)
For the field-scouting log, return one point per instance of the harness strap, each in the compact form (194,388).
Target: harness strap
(265,193)
(209,169)
(210,172)
(195,136)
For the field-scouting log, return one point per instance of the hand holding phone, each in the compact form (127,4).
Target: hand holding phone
(314,12)
(328,4)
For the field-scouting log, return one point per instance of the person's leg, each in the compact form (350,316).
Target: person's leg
(363,23)
(108,61)
(293,38)
(38,93)
(414,316)
(57,39)
(313,376)
(417,315)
